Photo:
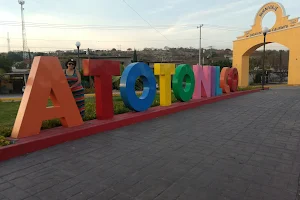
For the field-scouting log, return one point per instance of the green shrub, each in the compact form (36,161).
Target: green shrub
(89,90)
(120,108)
(4,141)
(5,131)
(51,123)
(248,88)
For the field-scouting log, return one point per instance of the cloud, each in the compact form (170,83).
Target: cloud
(251,8)
(169,4)
(162,9)
(176,1)
(214,11)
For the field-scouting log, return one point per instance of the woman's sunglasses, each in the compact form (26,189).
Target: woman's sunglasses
(70,63)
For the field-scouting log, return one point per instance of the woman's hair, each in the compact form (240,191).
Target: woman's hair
(70,60)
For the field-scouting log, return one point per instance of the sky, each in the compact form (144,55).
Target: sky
(122,24)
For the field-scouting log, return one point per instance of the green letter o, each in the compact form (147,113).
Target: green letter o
(182,72)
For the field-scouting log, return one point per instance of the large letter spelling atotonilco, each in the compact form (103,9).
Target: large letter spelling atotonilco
(127,86)
(164,71)
(203,84)
(218,90)
(46,79)
(233,79)
(223,80)
(183,72)
(213,81)
(102,70)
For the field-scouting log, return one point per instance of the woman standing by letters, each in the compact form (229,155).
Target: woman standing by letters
(74,79)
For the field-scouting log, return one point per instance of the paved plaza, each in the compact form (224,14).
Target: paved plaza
(238,149)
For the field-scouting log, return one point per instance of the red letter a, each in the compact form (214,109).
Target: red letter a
(46,79)
(102,70)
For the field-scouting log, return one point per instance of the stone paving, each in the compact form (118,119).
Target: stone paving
(238,149)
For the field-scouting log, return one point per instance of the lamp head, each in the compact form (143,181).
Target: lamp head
(78,44)
(265,30)
(21,2)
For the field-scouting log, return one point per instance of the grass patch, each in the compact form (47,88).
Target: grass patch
(251,87)
(9,112)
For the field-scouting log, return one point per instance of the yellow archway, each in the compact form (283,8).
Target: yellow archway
(285,32)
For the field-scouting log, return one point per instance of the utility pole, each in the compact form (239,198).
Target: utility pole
(200,27)
(211,55)
(120,46)
(8,42)
(25,48)
(210,47)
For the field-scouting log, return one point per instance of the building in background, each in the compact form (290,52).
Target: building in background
(13,82)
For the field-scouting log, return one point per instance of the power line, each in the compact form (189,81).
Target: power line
(70,27)
(124,41)
(68,40)
(60,48)
(120,26)
(146,21)
(91,25)
(72,40)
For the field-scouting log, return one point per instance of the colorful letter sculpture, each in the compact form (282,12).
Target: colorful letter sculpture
(218,90)
(102,70)
(164,71)
(223,80)
(203,83)
(127,86)
(213,81)
(183,93)
(46,79)
(233,79)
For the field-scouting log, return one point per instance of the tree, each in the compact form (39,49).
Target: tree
(40,54)
(223,63)
(20,65)
(228,51)
(135,59)
(5,64)
(15,57)
(129,49)
(116,79)
(254,63)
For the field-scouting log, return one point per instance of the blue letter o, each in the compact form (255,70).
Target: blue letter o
(127,86)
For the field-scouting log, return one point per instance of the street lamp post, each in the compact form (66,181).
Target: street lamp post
(265,31)
(78,46)
(200,63)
